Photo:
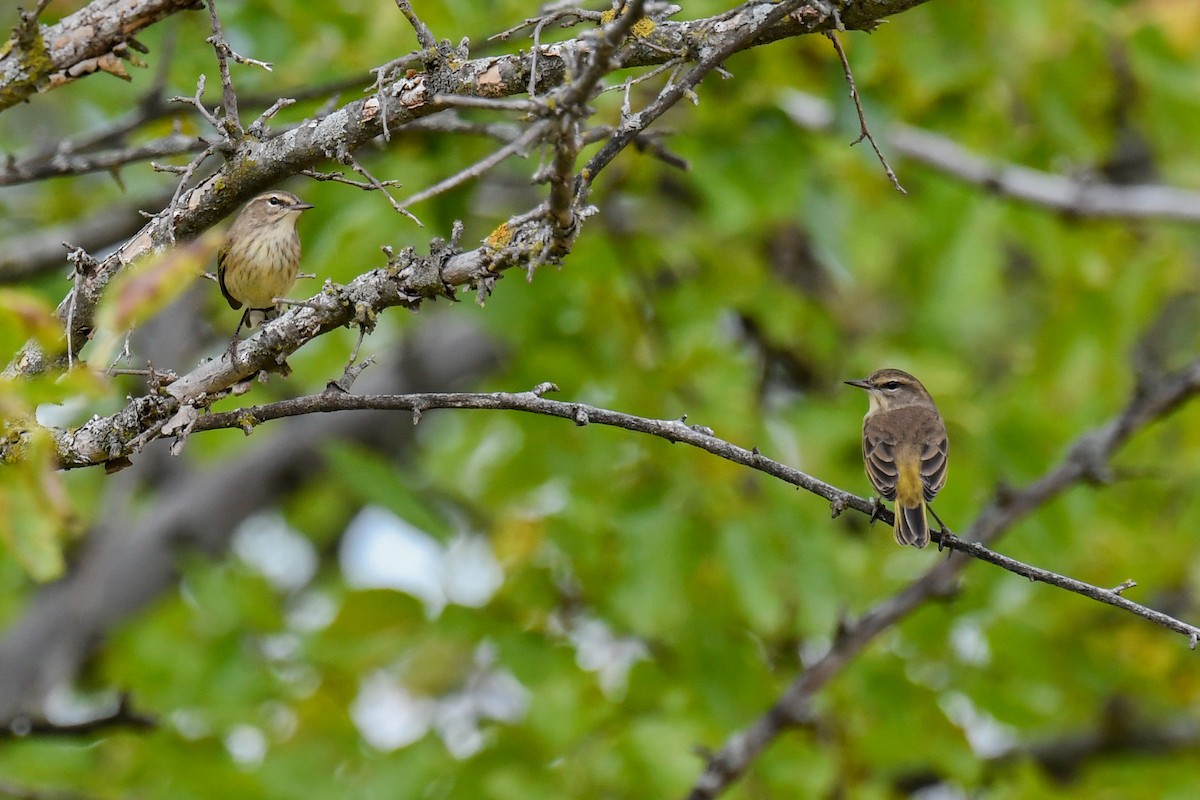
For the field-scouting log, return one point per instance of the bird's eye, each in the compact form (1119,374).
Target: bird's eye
(892,386)
(274,201)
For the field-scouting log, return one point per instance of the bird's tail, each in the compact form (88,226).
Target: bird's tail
(912,527)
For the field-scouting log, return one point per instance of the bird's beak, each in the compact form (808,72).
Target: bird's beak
(862,384)
(302,206)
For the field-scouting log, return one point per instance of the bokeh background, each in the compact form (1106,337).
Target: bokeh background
(507,606)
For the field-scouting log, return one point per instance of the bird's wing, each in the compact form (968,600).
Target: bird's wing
(879,453)
(234,304)
(933,466)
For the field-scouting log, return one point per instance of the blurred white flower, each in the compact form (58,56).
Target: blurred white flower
(599,650)
(988,737)
(269,546)
(969,642)
(389,717)
(382,551)
(247,745)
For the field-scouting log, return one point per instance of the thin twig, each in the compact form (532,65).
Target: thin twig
(425,37)
(603,56)
(185,176)
(487,103)
(671,64)
(1110,596)
(379,186)
(258,128)
(864,131)
(232,126)
(197,102)
(338,177)
(670,95)
(577,14)
(521,145)
(700,437)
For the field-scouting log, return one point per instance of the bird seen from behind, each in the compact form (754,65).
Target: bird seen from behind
(905,448)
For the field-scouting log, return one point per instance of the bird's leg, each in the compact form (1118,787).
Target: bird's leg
(943,530)
(237,337)
(876,507)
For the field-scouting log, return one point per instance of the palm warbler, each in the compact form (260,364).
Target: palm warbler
(261,255)
(905,448)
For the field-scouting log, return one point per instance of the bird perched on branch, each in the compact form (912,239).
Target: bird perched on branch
(905,448)
(260,259)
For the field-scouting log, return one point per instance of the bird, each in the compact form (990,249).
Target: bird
(905,449)
(260,259)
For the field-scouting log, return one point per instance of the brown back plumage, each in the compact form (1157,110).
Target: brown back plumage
(905,448)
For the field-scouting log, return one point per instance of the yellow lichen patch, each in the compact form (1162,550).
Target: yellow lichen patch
(501,237)
(643,28)
(608,16)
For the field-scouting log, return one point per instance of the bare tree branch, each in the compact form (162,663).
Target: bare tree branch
(1117,730)
(1088,454)
(746,24)
(255,166)
(424,36)
(98,37)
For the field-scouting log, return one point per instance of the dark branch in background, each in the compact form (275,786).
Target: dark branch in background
(24,257)
(1086,460)
(255,165)
(108,148)
(14,792)
(68,163)
(1118,730)
(1075,196)
(122,716)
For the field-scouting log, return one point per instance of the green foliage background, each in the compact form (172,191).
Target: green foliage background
(1020,321)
